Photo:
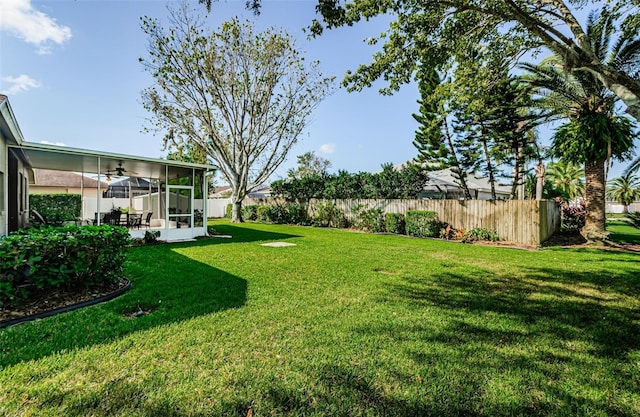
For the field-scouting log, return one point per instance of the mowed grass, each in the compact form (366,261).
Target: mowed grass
(342,324)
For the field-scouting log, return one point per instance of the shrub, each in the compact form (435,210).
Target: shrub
(371,220)
(394,223)
(60,257)
(573,217)
(297,214)
(480,234)
(326,214)
(262,213)
(278,214)
(447,232)
(250,212)
(422,223)
(57,208)
(228,211)
(151,237)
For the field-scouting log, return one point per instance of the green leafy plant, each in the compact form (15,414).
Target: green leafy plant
(57,208)
(250,212)
(480,234)
(371,220)
(60,257)
(422,223)
(394,223)
(326,214)
(151,237)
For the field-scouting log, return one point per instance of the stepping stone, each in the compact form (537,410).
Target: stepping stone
(277,244)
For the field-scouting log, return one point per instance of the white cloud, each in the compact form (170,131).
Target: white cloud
(328,148)
(19,84)
(22,20)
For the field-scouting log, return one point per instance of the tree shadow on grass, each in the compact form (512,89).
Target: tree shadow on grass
(167,287)
(550,313)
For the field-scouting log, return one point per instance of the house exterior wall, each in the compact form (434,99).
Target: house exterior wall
(4,198)
(85,192)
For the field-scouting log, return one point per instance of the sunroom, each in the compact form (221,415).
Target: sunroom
(174,203)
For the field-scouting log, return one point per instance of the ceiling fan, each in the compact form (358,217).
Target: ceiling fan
(117,172)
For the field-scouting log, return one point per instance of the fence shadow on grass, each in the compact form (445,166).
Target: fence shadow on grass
(167,287)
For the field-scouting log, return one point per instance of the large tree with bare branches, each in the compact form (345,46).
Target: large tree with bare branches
(243,97)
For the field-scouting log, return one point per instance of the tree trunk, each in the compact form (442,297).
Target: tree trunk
(487,158)
(462,175)
(236,209)
(595,220)
(539,180)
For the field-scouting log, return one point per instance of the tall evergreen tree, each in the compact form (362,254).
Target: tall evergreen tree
(436,148)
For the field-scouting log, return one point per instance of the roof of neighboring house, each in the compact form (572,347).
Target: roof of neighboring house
(445,180)
(51,178)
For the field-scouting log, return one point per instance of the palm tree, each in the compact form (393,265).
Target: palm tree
(567,179)
(625,190)
(593,132)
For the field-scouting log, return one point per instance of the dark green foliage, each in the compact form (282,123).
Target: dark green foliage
(395,223)
(228,211)
(57,208)
(421,223)
(151,237)
(60,257)
(297,214)
(370,220)
(326,214)
(480,234)
(250,212)
(405,182)
(289,213)
(263,213)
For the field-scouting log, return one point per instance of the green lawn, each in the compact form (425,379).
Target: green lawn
(342,324)
(623,232)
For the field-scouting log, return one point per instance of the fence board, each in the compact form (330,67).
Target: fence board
(526,222)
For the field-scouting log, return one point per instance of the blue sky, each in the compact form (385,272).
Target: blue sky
(71,71)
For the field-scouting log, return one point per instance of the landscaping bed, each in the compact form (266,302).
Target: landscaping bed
(59,300)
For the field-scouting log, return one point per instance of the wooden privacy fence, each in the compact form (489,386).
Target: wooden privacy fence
(528,222)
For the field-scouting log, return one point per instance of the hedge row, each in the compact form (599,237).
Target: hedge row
(54,257)
(418,223)
(57,208)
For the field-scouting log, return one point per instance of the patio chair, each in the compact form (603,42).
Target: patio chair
(147,220)
(135,221)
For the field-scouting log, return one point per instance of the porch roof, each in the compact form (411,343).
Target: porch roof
(63,158)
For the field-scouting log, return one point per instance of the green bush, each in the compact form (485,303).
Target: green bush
(60,257)
(250,212)
(394,223)
(151,237)
(297,214)
(326,214)
(422,223)
(57,208)
(371,220)
(228,211)
(480,234)
(262,213)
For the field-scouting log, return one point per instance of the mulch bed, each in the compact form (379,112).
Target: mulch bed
(43,301)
